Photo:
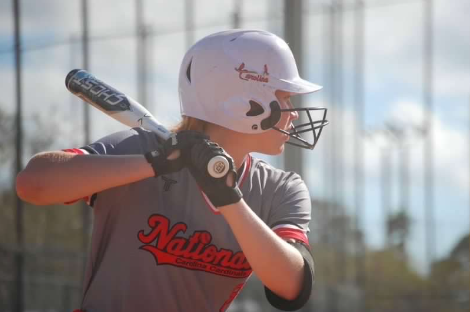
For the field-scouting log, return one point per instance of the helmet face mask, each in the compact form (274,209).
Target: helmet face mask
(313,126)
(230,79)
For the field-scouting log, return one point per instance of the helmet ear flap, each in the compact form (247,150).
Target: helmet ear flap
(274,118)
(236,108)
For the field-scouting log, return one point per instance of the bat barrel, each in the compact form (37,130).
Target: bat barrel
(126,110)
(112,102)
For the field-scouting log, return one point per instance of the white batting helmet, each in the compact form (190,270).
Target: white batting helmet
(230,79)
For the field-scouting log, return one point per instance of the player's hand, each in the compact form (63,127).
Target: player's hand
(220,191)
(172,155)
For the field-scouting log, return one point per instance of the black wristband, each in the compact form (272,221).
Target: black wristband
(157,160)
(181,141)
(150,156)
(227,197)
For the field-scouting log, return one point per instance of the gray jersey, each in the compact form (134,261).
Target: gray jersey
(158,245)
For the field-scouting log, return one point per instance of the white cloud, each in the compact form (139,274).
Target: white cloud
(395,46)
(451,167)
(450,144)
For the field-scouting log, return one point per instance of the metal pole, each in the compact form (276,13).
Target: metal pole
(141,53)
(293,35)
(386,190)
(333,108)
(404,175)
(18,305)
(73,58)
(189,22)
(236,15)
(359,147)
(85,54)
(332,300)
(327,156)
(149,72)
(339,139)
(272,10)
(325,95)
(429,144)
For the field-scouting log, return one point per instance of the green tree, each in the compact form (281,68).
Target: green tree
(398,231)
(54,260)
(450,279)
(392,285)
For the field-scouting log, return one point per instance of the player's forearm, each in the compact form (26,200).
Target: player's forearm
(57,177)
(278,265)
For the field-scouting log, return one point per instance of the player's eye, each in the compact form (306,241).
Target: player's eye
(289,103)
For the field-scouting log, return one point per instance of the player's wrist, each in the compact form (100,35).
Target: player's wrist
(226,197)
(224,210)
(169,157)
(154,159)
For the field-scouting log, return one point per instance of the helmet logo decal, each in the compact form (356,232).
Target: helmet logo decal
(245,74)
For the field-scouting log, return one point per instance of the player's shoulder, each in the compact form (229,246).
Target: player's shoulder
(268,172)
(276,185)
(134,140)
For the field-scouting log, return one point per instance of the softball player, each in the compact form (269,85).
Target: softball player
(166,235)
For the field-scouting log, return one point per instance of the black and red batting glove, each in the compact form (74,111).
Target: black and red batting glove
(216,189)
(182,141)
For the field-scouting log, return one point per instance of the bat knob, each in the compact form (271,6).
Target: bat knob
(218,167)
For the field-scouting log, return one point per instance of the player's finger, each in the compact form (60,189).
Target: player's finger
(174,155)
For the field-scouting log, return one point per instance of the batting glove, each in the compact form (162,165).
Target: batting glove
(182,141)
(216,189)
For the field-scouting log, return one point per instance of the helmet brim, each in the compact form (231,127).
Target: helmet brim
(297,85)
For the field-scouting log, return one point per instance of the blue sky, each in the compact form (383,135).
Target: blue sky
(393,86)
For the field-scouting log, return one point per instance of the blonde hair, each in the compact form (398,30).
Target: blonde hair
(190,123)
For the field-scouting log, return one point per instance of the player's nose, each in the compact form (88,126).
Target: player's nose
(294,115)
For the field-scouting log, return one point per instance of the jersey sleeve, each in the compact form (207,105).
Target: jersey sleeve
(291,209)
(289,218)
(128,142)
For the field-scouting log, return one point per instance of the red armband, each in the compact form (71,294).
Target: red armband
(287,231)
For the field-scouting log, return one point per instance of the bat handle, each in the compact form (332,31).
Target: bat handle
(218,167)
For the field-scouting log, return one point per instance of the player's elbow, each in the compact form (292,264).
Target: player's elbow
(291,293)
(29,188)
